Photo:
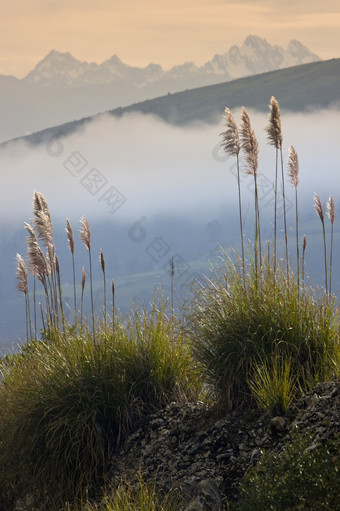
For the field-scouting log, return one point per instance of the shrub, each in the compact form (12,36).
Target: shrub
(301,477)
(237,324)
(70,403)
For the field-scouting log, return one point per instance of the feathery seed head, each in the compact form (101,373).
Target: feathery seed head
(51,257)
(102,260)
(83,279)
(293,165)
(22,275)
(231,142)
(330,209)
(249,143)
(40,203)
(274,132)
(57,266)
(85,233)
(42,219)
(36,259)
(318,207)
(70,237)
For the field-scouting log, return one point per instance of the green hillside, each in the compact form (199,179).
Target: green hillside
(297,88)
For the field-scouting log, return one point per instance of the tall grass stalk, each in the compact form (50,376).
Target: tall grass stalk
(319,211)
(293,166)
(102,265)
(274,137)
(304,245)
(35,308)
(70,239)
(60,294)
(37,263)
(83,281)
(172,284)
(232,146)
(85,236)
(284,214)
(43,227)
(331,216)
(22,285)
(113,306)
(250,147)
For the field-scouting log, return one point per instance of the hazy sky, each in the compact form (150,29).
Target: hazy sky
(160,31)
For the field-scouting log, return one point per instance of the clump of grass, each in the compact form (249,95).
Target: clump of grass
(67,406)
(128,497)
(299,478)
(235,327)
(273,385)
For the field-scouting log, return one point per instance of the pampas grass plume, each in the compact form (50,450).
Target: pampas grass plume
(42,219)
(274,132)
(102,260)
(70,237)
(293,166)
(85,233)
(22,274)
(231,142)
(249,143)
(318,207)
(330,209)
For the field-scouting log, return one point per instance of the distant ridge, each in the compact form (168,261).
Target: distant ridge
(298,88)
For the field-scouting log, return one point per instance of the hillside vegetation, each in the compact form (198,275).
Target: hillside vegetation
(255,338)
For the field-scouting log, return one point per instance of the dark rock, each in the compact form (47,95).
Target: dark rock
(189,452)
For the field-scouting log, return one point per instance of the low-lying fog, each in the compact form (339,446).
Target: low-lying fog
(138,179)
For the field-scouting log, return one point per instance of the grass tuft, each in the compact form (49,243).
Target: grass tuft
(66,405)
(235,327)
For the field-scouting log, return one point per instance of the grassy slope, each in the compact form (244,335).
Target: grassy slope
(297,88)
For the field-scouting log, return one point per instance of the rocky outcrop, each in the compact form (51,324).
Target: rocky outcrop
(188,451)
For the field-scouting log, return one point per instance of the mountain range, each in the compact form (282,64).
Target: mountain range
(255,56)
(61,88)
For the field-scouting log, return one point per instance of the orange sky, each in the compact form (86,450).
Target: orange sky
(160,31)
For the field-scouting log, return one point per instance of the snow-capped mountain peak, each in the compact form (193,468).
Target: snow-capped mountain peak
(254,56)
